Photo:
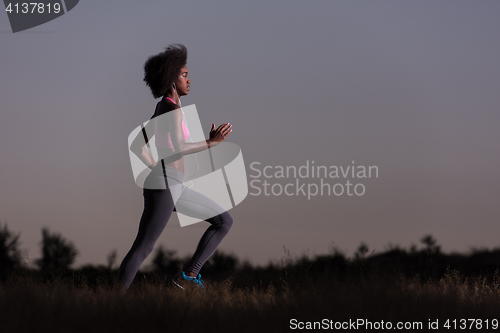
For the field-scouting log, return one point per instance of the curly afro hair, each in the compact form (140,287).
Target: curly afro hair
(161,70)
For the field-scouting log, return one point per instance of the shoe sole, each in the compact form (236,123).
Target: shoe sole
(188,285)
(178,285)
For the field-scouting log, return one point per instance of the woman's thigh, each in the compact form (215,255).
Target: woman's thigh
(158,207)
(197,205)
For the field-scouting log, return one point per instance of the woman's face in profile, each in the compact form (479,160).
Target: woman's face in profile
(183,83)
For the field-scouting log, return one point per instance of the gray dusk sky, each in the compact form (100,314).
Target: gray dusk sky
(411,87)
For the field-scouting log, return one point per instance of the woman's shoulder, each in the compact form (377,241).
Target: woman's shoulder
(164,106)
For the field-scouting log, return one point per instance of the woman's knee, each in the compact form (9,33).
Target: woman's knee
(227,220)
(222,220)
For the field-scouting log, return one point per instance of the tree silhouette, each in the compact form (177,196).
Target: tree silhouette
(111,259)
(10,256)
(57,253)
(431,244)
(361,251)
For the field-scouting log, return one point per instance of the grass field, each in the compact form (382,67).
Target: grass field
(34,303)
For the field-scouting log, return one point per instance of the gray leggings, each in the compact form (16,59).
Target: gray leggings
(158,206)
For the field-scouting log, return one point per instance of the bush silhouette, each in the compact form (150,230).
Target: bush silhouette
(165,261)
(220,261)
(57,252)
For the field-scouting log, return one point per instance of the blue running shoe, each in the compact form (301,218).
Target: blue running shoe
(183,281)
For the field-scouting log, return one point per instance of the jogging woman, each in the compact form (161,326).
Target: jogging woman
(167,76)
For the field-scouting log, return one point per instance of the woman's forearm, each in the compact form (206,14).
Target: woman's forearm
(187,148)
(216,136)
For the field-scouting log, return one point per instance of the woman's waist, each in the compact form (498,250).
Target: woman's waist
(163,169)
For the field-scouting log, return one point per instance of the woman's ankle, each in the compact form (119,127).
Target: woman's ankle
(191,274)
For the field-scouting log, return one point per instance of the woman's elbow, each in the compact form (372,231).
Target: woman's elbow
(136,150)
